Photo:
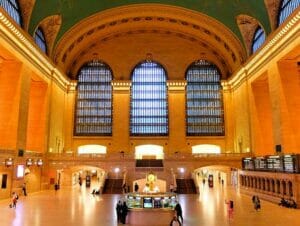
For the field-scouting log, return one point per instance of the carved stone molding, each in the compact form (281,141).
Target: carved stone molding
(273,10)
(26,10)
(247,26)
(51,26)
(121,85)
(176,85)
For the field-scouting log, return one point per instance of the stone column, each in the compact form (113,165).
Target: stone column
(121,114)
(177,116)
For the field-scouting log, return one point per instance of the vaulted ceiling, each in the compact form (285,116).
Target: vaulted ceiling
(79,30)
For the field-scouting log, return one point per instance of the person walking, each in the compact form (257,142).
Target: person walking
(136,187)
(24,189)
(175,221)
(178,210)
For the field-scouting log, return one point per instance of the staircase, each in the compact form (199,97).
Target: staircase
(113,186)
(186,186)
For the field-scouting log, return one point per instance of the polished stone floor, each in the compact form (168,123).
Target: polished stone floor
(75,206)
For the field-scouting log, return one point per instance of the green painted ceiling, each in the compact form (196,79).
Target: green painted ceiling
(73,11)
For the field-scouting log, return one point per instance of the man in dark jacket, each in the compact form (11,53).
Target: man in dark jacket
(124,213)
(119,210)
(179,212)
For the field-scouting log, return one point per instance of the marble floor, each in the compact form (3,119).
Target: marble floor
(75,206)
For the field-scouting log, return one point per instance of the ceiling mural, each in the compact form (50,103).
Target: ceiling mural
(212,28)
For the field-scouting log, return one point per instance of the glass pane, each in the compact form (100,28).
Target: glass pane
(12,8)
(40,40)
(286,8)
(259,39)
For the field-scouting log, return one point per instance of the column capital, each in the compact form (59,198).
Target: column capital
(121,85)
(176,85)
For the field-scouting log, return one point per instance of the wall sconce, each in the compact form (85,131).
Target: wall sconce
(9,162)
(29,162)
(39,162)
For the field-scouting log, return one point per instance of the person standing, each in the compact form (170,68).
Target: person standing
(80,181)
(256,202)
(229,208)
(178,210)
(24,189)
(136,187)
(124,212)
(119,211)
(14,200)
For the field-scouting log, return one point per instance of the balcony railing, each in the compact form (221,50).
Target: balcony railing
(128,157)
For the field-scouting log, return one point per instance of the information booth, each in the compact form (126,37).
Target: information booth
(153,206)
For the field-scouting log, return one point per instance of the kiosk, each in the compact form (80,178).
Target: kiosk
(151,206)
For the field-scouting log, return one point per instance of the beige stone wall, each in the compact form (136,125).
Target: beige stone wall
(241,118)
(57,118)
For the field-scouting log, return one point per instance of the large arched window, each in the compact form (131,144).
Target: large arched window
(40,40)
(94,100)
(259,38)
(204,100)
(12,8)
(286,8)
(148,108)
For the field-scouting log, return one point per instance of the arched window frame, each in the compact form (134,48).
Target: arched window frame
(13,9)
(149,106)
(286,8)
(204,100)
(40,39)
(259,38)
(93,114)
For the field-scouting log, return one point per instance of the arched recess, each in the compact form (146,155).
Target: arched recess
(247,26)
(26,10)
(51,26)
(149,151)
(155,26)
(66,176)
(221,174)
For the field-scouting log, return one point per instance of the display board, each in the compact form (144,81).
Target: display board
(273,163)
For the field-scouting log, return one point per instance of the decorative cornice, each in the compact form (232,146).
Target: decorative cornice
(176,85)
(121,85)
(23,45)
(288,32)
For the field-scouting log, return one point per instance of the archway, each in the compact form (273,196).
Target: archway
(216,175)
